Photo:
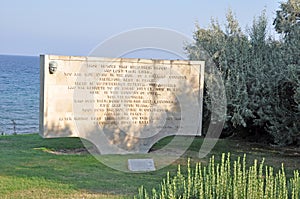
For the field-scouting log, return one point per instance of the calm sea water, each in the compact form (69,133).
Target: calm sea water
(19,94)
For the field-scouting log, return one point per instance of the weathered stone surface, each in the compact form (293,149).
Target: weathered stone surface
(121,105)
(141,165)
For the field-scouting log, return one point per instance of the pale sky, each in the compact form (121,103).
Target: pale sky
(75,27)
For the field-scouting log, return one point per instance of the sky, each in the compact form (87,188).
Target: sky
(76,27)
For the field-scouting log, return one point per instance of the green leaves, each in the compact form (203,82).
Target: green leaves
(227,180)
(261,75)
(288,17)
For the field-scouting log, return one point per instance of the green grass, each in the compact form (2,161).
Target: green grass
(28,169)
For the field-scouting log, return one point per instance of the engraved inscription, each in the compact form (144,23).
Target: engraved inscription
(129,103)
(130,94)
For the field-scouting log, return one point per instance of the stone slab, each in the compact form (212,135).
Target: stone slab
(141,165)
(121,105)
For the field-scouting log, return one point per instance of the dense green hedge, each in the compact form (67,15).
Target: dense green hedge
(261,74)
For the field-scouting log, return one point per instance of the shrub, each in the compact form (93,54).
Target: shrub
(261,78)
(226,180)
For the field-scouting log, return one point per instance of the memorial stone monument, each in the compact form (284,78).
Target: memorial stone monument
(121,105)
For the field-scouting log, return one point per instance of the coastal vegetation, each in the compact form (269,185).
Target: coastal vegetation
(260,73)
(259,157)
(33,167)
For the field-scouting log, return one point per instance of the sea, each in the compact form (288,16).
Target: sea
(19,94)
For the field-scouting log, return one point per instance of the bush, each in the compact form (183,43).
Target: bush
(261,78)
(226,180)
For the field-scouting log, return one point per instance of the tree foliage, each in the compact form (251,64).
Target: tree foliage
(288,17)
(261,75)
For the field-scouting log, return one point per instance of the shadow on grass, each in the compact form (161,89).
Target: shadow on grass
(27,156)
(32,157)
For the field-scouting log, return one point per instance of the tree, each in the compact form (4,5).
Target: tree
(286,126)
(261,75)
(287,19)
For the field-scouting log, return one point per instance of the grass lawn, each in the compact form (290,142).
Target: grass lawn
(33,167)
